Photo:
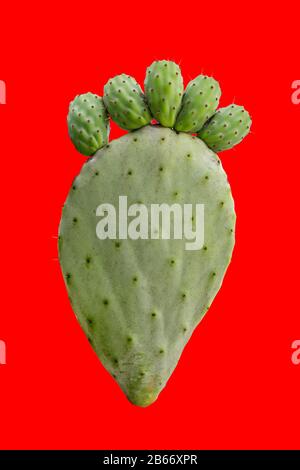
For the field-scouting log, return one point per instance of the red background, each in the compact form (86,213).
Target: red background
(235,386)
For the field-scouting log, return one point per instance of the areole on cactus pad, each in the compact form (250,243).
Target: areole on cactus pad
(139,299)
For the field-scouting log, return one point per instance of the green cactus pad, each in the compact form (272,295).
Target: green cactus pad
(164,90)
(200,101)
(226,128)
(125,102)
(88,123)
(139,301)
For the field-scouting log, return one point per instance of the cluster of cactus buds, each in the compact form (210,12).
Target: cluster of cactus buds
(193,110)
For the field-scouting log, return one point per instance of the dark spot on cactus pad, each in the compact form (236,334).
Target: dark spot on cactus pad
(213,274)
(188,155)
(129,172)
(90,322)
(135,139)
(115,361)
(105,302)
(129,339)
(183,295)
(96,173)
(88,260)
(184,329)
(135,279)
(161,351)
(222,203)
(163,139)
(153,314)
(172,262)
(176,193)
(206,177)
(75,220)
(205,248)
(117,244)
(160,168)
(170,83)
(68,277)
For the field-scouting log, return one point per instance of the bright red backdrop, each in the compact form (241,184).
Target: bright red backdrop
(235,386)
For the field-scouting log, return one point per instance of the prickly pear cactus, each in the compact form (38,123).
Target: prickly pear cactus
(88,123)
(227,128)
(199,103)
(164,89)
(139,298)
(125,102)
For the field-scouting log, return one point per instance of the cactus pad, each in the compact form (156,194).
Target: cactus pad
(226,128)
(139,301)
(199,103)
(125,102)
(88,123)
(163,90)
